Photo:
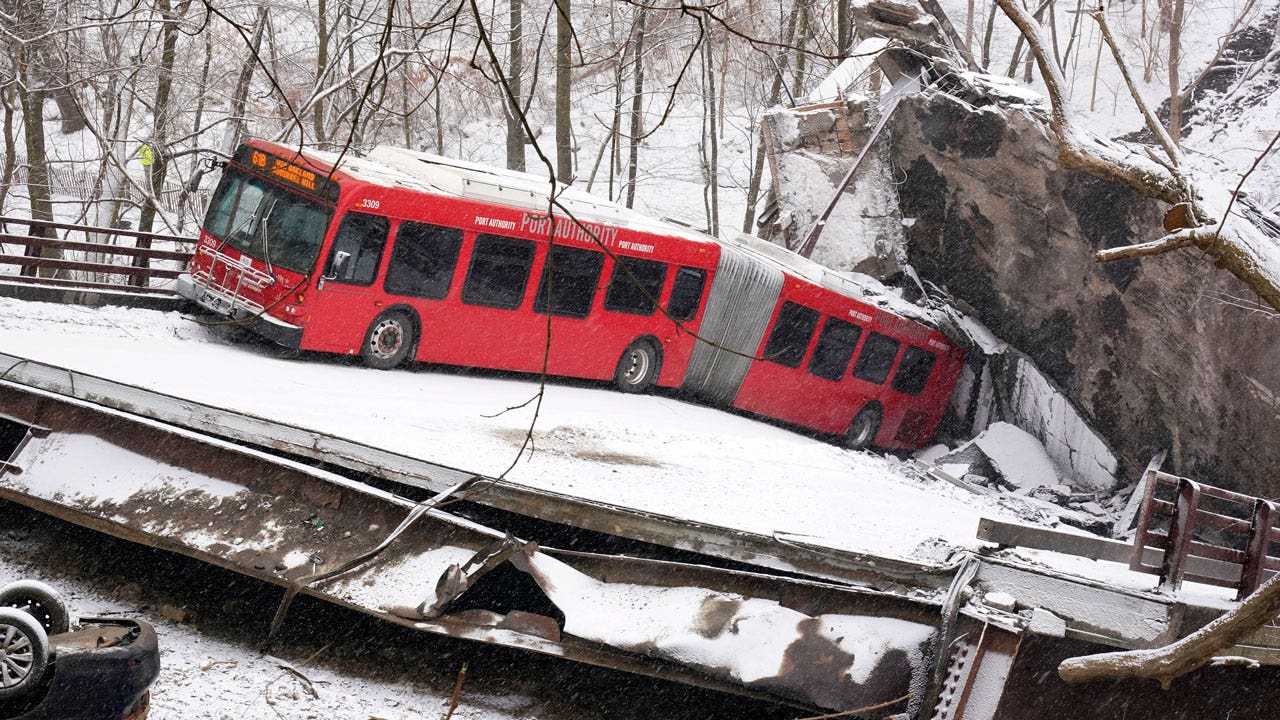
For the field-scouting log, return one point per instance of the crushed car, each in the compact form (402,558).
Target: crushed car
(54,669)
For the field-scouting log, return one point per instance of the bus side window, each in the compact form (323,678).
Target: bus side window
(361,236)
(834,349)
(686,293)
(423,260)
(638,296)
(791,333)
(876,358)
(499,272)
(913,371)
(574,275)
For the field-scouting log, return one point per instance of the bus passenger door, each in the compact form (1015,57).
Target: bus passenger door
(346,299)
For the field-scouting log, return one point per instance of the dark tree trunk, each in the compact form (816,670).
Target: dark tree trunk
(844,29)
(10,151)
(564,56)
(1175,57)
(240,95)
(637,106)
(160,124)
(322,66)
(515,68)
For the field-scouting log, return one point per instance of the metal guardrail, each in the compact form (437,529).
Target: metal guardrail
(106,258)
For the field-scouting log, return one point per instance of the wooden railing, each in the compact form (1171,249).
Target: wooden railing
(106,258)
(1187,519)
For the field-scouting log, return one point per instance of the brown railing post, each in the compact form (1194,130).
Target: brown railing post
(1255,561)
(1145,511)
(141,261)
(1184,518)
(35,228)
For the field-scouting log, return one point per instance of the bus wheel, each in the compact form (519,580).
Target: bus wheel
(863,429)
(638,369)
(389,341)
(24,653)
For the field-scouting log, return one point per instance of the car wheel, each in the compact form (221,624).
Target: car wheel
(389,341)
(863,429)
(638,368)
(24,653)
(40,602)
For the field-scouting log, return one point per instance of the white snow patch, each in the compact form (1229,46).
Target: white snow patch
(749,643)
(674,458)
(1038,406)
(90,469)
(408,583)
(295,558)
(1018,456)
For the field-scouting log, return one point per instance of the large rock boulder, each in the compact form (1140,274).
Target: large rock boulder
(1160,353)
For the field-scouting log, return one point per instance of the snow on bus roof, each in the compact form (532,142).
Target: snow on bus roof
(857,286)
(390,166)
(522,190)
(369,170)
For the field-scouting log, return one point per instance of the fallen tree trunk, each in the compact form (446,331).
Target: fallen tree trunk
(1190,653)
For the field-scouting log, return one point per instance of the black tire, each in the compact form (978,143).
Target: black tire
(638,367)
(389,341)
(24,653)
(862,431)
(40,602)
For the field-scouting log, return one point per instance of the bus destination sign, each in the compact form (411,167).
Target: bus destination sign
(288,173)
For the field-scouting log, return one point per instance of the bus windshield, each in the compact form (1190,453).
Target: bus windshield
(262,219)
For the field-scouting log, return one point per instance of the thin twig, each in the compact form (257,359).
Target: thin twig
(457,692)
(859,711)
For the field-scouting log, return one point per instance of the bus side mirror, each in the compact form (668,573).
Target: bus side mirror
(340,259)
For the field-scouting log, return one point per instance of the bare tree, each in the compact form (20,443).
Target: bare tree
(29,23)
(1175,61)
(240,96)
(711,140)
(322,67)
(161,111)
(785,38)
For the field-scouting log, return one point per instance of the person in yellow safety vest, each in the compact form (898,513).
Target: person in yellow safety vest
(146,154)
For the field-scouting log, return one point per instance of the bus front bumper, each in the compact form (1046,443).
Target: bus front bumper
(271,328)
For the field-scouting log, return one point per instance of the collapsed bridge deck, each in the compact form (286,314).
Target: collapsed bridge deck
(297,521)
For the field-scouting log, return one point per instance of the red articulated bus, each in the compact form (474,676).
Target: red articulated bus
(402,256)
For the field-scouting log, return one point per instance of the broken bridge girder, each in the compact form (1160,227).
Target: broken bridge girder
(458,578)
(827,645)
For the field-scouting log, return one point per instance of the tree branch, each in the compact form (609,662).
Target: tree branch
(1166,142)
(1172,241)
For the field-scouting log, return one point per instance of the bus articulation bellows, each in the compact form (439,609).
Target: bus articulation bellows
(403,256)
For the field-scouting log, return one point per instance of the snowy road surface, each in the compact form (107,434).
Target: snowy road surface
(651,453)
